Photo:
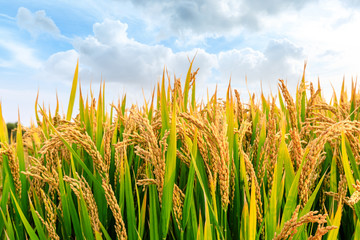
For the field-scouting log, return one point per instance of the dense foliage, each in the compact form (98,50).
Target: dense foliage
(174,168)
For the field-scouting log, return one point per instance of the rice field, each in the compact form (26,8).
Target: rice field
(284,167)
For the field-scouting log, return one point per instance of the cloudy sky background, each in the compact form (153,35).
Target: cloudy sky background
(128,42)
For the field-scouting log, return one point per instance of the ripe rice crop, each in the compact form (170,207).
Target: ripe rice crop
(174,168)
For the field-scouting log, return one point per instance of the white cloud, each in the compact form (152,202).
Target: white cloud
(20,55)
(36,23)
(281,59)
(351,3)
(127,61)
(111,55)
(7,17)
(267,40)
(199,19)
(326,32)
(110,32)
(59,66)
(238,63)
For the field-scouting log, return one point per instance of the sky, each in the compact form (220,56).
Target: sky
(128,43)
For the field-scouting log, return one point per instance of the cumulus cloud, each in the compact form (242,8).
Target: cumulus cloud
(212,18)
(59,66)
(280,59)
(117,57)
(351,3)
(274,6)
(111,32)
(241,62)
(36,23)
(111,55)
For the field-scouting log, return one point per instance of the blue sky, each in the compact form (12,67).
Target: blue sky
(128,42)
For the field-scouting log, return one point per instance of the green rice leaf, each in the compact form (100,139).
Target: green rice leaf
(64,203)
(252,214)
(3,129)
(38,223)
(207,226)
(154,206)
(27,225)
(291,199)
(8,224)
(74,218)
(357,230)
(189,185)
(244,227)
(164,108)
(73,92)
(169,178)
(187,85)
(333,234)
(285,157)
(4,200)
(85,219)
(130,209)
(346,165)
(106,234)
(271,216)
(21,158)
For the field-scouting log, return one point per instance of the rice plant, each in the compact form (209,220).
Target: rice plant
(284,167)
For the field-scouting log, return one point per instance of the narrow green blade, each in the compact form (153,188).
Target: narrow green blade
(73,92)
(169,179)
(27,225)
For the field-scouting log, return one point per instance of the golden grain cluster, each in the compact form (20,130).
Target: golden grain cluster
(284,167)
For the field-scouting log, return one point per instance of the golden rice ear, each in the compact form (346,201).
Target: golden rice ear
(183,168)
(290,103)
